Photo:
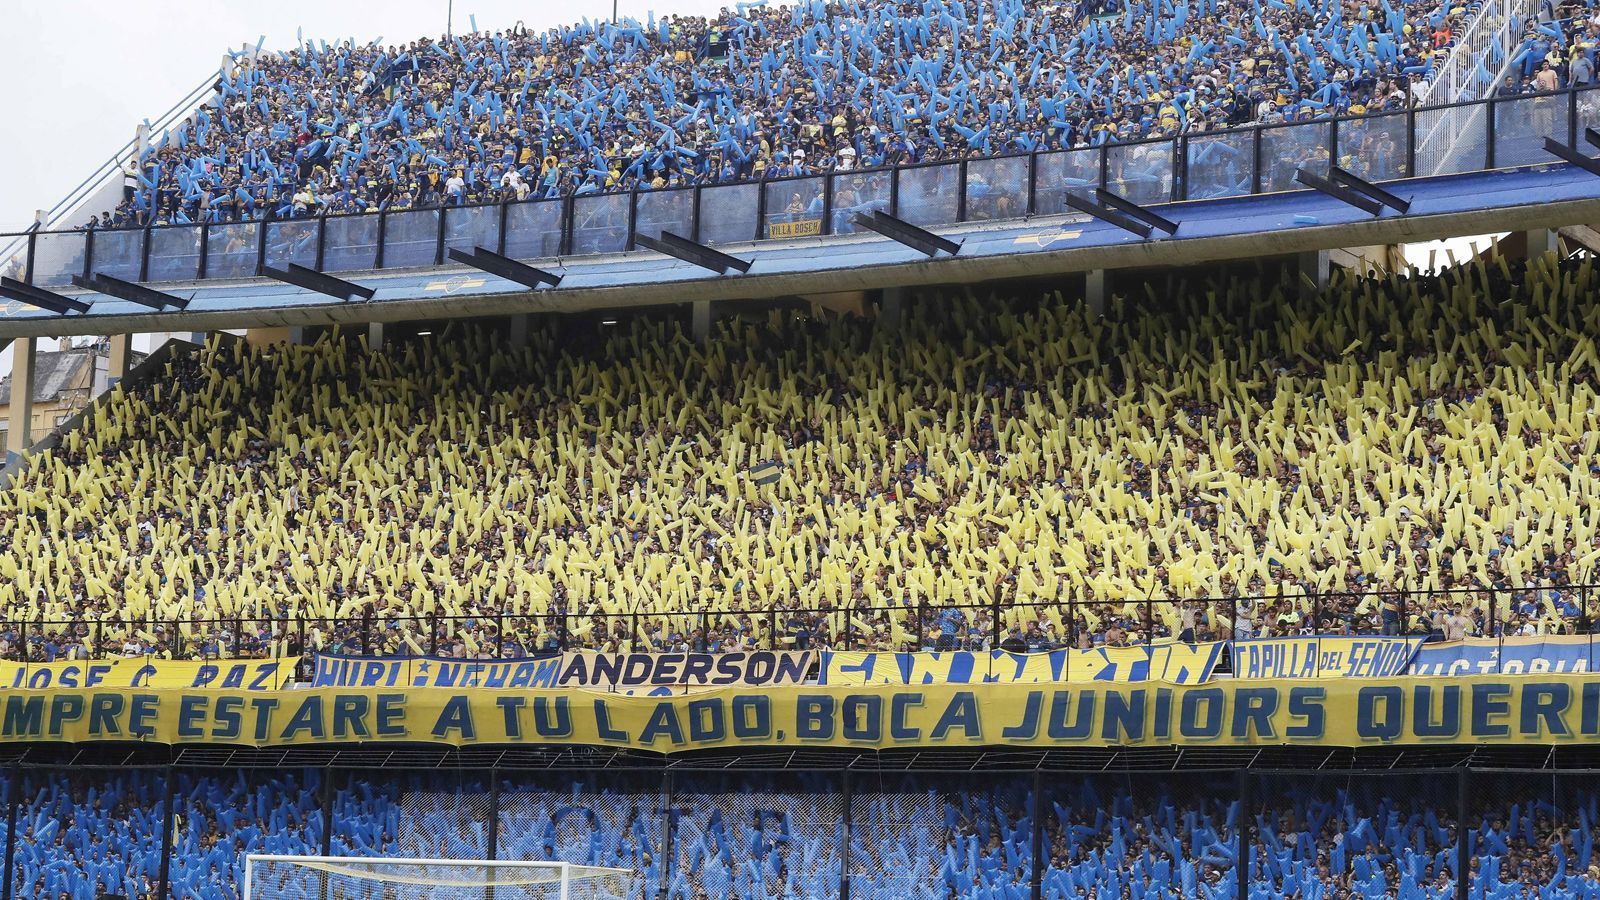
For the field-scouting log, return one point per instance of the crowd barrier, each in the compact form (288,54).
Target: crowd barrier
(1495,133)
(1571,612)
(183,832)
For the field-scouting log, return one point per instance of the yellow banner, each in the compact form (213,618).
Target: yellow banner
(148,672)
(1176,663)
(1524,710)
(797,228)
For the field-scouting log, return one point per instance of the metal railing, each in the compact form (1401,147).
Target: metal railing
(1068,622)
(1490,29)
(1495,133)
(111,169)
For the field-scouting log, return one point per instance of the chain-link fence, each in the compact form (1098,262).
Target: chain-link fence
(181,832)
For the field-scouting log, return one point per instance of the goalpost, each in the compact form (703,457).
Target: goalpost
(268,877)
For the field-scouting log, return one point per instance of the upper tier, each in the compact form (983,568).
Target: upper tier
(764,90)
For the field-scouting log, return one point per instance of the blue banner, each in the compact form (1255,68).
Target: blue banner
(1324,657)
(1507,656)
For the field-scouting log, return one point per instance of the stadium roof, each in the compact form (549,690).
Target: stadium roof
(1250,227)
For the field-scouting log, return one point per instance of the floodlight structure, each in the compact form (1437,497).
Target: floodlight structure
(1352,190)
(1571,154)
(695,254)
(1130,223)
(320,282)
(40,298)
(504,266)
(102,283)
(899,230)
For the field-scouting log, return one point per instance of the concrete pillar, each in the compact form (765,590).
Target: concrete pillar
(1313,267)
(1094,291)
(299,334)
(700,324)
(891,308)
(517,331)
(1541,241)
(374,336)
(19,433)
(121,354)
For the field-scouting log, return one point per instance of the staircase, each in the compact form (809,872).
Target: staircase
(1477,62)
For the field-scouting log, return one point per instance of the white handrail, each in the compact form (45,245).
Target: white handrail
(1494,30)
(1457,78)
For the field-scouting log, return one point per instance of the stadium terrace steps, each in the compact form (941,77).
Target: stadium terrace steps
(1226,440)
(144,373)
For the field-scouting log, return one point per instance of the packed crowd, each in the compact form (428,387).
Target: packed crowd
(90,834)
(760,91)
(804,483)
(1558,49)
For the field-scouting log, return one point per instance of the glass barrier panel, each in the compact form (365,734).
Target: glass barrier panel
(1588,110)
(1287,148)
(600,223)
(1077,171)
(1374,147)
(666,211)
(1140,172)
(859,192)
(14,262)
(175,253)
(1451,141)
(231,250)
(291,241)
(533,230)
(351,244)
(411,239)
(728,213)
(1522,123)
(794,208)
(57,256)
(469,227)
(930,195)
(117,253)
(1218,165)
(996,188)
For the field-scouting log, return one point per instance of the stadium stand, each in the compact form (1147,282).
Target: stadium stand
(796,482)
(758,91)
(745,835)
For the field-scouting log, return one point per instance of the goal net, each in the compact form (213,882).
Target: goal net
(369,878)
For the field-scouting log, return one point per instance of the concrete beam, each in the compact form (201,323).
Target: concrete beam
(517,331)
(891,308)
(19,430)
(700,325)
(117,364)
(1584,236)
(1094,291)
(1539,241)
(1313,266)
(1382,259)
